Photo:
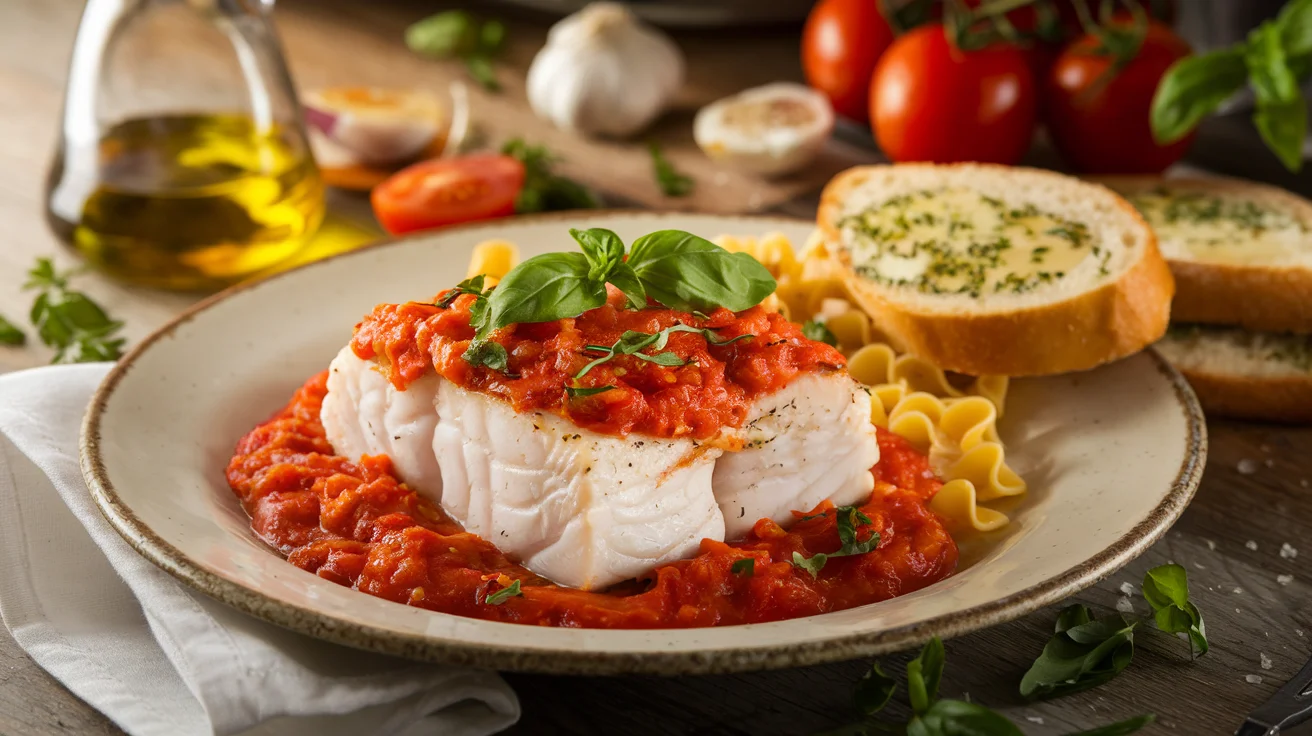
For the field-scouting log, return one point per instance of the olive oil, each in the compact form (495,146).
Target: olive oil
(187,202)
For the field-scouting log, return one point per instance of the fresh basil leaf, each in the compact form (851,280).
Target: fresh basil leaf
(1295,24)
(685,272)
(491,38)
(626,280)
(44,276)
(1120,728)
(813,330)
(487,353)
(924,674)
(579,392)
(472,285)
(1268,66)
(873,691)
(447,34)
(543,189)
(1192,89)
(959,718)
(544,288)
(746,567)
(1283,126)
(10,334)
(481,71)
(603,249)
(672,182)
(1166,588)
(813,564)
(1085,652)
(505,594)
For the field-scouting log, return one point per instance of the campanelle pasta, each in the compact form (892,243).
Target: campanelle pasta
(954,423)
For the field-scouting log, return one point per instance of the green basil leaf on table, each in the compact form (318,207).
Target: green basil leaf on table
(491,37)
(924,673)
(959,718)
(10,334)
(451,33)
(1166,588)
(672,182)
(1083,653)
(481,71)
(543,189)
(686,272)
(544,288)
(77,328)
(873,691)
(1295,24)
(1192,89)
(1120,728)
(813,330)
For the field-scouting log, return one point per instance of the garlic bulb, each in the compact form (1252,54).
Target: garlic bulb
(604,72)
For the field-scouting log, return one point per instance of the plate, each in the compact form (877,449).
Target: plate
(1112,457)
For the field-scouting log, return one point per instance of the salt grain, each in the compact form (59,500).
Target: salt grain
(1239,591)
(1264,660)
(1199,566)
(1210,545)
(1287,551)
(1247,466)
(1251,545)
(1284,579)
(1253,679)
(1299,632)
(1035,719)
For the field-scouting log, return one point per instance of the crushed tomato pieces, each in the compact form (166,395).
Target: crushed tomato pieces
(357,525)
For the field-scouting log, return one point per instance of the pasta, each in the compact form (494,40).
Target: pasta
(952,419)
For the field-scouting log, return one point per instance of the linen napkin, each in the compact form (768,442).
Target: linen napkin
(155,657)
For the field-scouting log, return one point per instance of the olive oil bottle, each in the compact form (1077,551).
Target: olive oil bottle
(182,161)
(189,201)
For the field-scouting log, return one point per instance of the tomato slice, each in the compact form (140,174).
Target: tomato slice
(441,192)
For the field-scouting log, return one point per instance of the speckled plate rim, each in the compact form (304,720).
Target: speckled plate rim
(769,656)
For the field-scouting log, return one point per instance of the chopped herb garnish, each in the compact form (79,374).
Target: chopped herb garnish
(582,391)
(503,595)
(633,342)
(1083,653)
(472,285)
(746,567)
(813,330)
(673,183)
(849,520)
(487,353)
(1166,588)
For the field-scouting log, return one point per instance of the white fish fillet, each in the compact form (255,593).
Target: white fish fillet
(812,440)
(364,414)
(581,508)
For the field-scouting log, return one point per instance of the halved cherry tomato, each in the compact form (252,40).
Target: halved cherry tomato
(441,192)
(1098,120)
(841,43)
(932,102)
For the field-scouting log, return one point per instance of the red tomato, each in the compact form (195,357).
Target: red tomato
(841,43)
(932,102)
(445,191)
(1101,125)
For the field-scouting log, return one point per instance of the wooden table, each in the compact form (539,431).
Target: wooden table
(1254,497)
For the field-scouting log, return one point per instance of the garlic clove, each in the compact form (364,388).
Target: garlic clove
(769,130)
(371,126)
(604,72)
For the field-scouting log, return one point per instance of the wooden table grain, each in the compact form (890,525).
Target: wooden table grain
(1254,501)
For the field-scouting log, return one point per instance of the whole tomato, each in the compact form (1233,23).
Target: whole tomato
(1099,118)
(841,43)
(930,101)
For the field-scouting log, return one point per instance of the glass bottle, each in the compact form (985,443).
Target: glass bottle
(183,162)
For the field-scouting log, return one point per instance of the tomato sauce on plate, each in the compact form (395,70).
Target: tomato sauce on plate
(713,389)
(357,525)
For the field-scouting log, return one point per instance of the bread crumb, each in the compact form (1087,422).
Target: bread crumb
(1247,466)
(1269,463)
(1211,546)
(1035,719)
(1253,679)
(1250,544)
(1287,551)
(1284,579)
(1264,660)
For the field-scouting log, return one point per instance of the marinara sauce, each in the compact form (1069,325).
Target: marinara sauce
(356,524)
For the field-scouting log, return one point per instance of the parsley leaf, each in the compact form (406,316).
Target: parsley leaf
(1083,653)
(848,518)
(503,595)
(10,334)
(79,329)
(1166,588)
(746,567)
(673,183)
(456,34)
(873,691)
(813,330)
(543,189)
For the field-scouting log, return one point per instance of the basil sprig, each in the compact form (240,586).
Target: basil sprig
(677,269)
(1084,653)
(633,343)
(1274,60)
(503,595)
(1166,588)
(849,518)
(935,716)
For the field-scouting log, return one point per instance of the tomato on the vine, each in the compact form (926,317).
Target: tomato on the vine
(841,43)
(441,192)
(930,101)
(1098,116)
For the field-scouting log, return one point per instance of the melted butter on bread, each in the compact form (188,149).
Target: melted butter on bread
(1202,226)
(960,241)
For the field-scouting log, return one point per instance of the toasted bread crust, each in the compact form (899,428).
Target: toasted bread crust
(1079,332)
(1286,400)
(1258,297)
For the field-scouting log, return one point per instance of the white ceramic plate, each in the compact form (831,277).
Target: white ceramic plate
(1112,457)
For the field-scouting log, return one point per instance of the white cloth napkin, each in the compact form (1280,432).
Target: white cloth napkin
(155,657)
